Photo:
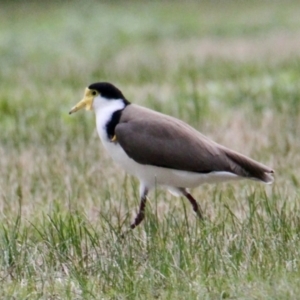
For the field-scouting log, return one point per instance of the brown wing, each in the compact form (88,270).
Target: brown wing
(155,139)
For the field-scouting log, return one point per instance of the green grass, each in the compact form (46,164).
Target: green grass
(230,69)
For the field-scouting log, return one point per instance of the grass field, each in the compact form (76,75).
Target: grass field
(229,68)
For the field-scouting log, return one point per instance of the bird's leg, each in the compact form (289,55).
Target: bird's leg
(141,214)
(196,207)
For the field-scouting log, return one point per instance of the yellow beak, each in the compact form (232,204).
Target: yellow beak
(86,102)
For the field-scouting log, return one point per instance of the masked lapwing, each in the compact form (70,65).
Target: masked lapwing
(161,150)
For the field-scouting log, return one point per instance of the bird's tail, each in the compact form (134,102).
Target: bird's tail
(247,167)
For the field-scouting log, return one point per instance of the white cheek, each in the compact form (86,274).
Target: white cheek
(99,102)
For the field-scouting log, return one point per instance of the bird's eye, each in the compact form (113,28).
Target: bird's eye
(94,93)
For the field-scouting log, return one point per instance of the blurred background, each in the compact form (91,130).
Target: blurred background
(229,68)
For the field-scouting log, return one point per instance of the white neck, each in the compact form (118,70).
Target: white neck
(104,112)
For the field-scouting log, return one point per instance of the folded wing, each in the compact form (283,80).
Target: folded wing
(152,138)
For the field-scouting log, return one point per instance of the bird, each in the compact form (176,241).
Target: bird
(161,150)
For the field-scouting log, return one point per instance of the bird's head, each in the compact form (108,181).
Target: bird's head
(98,95)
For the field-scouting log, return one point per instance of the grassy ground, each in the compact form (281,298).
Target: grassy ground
(229,68)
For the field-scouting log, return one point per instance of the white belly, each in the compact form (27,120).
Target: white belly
(152,175)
